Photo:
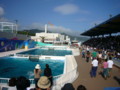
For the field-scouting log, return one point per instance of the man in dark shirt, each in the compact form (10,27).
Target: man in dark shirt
(48,73)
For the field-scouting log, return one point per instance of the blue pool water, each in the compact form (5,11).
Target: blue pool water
(14,67)
(47,52)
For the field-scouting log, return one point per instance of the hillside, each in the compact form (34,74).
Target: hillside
(80,38)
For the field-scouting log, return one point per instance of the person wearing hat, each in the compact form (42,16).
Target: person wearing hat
(37,72)
(44,83)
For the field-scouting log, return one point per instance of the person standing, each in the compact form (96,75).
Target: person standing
(88,56)
(83,53)
(94,54)
(48,73)
(105,69)
(94,67)
(100,57)
(37,72)
(110,65)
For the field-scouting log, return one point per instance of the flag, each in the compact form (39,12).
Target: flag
(49,23)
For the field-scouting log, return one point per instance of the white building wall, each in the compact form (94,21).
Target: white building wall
(67,38)
(62,38)
(48,35)
(51,37)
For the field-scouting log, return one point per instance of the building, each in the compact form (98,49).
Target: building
(50,38)
(53,38)
(8,27)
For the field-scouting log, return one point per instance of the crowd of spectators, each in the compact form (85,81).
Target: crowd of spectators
(109,43)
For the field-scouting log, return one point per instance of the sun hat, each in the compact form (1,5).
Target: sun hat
(44,82)
(37,66)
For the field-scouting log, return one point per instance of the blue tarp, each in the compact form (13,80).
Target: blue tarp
(112,88)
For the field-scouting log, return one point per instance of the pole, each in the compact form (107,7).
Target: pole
(16,21)
(45,28)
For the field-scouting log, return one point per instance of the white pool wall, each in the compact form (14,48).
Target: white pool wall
(70,68)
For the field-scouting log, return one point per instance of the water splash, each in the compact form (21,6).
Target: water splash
(30,74)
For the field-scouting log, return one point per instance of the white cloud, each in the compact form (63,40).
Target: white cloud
(55,29)
(2,19)
(1,11)
(67,9)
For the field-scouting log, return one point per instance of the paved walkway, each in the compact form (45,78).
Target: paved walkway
(97,83)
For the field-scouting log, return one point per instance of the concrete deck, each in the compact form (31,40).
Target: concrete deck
(97,83)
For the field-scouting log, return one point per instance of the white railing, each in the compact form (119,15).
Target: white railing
(4,80)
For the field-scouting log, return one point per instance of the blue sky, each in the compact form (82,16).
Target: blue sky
(69,16)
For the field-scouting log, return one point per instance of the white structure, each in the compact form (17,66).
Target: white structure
(50,37)
(67,39)
(8,27)
(45,28)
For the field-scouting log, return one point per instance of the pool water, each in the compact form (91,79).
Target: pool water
(47,52)
(15,67)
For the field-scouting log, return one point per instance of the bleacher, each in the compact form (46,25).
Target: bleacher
(111,43)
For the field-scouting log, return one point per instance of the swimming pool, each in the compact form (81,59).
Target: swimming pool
(50,52)
(14,67)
